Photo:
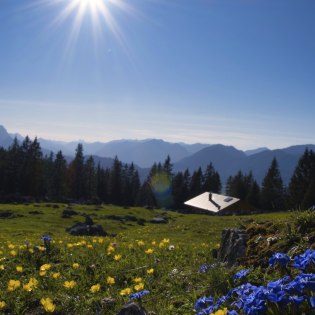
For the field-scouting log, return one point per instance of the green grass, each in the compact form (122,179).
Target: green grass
(174,285)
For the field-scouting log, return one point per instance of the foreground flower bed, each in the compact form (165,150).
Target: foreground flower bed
(290,294)
(97,275)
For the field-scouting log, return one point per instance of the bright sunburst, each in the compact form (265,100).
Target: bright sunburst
(98,11)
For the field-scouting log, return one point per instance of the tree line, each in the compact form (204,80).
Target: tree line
(27,174)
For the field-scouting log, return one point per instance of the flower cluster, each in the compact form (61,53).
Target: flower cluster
(287,291)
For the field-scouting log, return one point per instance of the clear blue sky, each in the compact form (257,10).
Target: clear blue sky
(238,72)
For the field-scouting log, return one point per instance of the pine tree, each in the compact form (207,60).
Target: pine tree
(301,181)
(13,169)
(212,181)
(115,182)
(102,183)
(90,179)
(179,190)
(253,196)
(272,191)
(59,178)
(76,174)
(196,183)
(237,186)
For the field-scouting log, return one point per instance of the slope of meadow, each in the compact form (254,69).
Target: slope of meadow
(97,275)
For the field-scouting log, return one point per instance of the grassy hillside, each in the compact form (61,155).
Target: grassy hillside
(138,255)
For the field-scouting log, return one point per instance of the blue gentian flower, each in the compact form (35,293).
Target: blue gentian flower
(203,268)
(242,273)
(138,295)
(204,302)
(280,258)
(46,238)
(302,261)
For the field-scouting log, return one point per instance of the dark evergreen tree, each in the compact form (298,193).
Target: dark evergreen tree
(272,191)
(196,183)
(47,178)
(13,169)
(59,178)
(179,190)
(237,186)
(253,196)
(102,183)
(168,167)
(3,166)
(76,174)
(90,179)
(32,168)
(134,181)
(115,182)
(212,181)
(301,182)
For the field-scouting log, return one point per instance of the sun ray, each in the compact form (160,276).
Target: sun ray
(99,12)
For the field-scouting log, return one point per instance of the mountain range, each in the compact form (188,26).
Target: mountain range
(227,160)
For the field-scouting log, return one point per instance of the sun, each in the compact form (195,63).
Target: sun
(98,11)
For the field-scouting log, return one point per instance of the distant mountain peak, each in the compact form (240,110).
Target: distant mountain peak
(254,151)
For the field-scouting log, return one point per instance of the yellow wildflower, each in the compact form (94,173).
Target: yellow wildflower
(100,240)
(110,280)
(139,286)
(220,312)
(45,267)
(137,280)
(166,240)
(150,271)
(2,305)
(110,249)
(140,243)
(13,253)
(42,273)
(95,288)
(117,257)
(75,265)
(11,246)
(13,285)
(89,246)
(56,275)
(153,243)
(31,250)
(48,305)
(19,268)
(41,248)
(32,284)
(1,267)
(69,284)
(126,291)
(149,251)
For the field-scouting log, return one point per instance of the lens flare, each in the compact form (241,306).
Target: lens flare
(161,187)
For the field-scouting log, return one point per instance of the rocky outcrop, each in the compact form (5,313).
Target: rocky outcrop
(88,228)
(132,309)
(233,246)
